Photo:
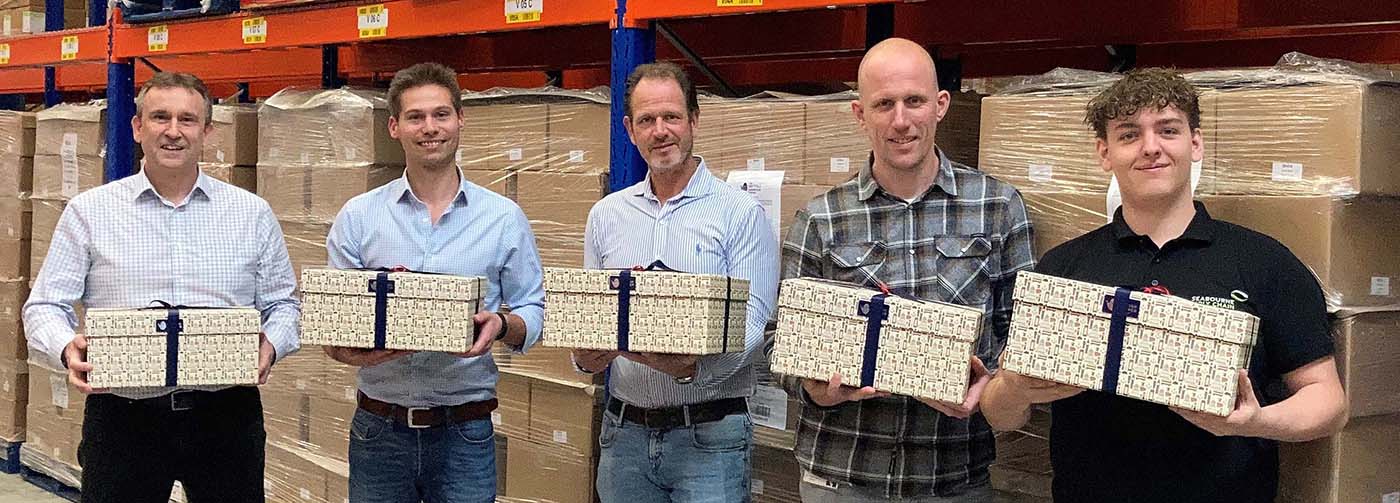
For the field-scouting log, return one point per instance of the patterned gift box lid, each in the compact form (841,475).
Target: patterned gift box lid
(413,285)
(107,322)
(563,280)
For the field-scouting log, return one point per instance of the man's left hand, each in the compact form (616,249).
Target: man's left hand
(265,356)
(976,383)
(678,366)
(1243,421)
(487,326)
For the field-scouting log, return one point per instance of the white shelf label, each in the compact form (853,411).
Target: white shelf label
(524,11)
(4,53)
(157,38)
(373,20)
(738,3)
(255,30)
(68,48)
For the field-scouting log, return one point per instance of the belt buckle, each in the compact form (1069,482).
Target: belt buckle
(177,403)
(414,424)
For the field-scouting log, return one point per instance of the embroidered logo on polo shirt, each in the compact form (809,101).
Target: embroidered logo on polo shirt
(1237,297)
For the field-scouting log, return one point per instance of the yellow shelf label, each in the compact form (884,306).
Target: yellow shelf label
(255,30)
(4,54)
(157,38)
(524,11)
(68,48)
(373,20)
(738,3)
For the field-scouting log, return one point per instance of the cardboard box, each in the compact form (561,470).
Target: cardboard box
(318,193)
(326,128)
(62,177)
(1040,143)
(1324,139)
(578,137)
(775,413)
(329,427)
(512,417)
(669,312)
(338,487)
(16,134)
(74,129)
(1058,217)
(14,398)
(553,364)
(835,147)
(1172,351)
(500,182)
(558,205)
(776,477)
(286,415)
(45,218)
(291,477)
(504,137)
(1345,241)
(921,349)
(16,175)
(1368,361)
(54,419)
(753,135)
(1352,466)
(16,222)
(544,473)
(243,177)
(13,345)
(960,130)
(419,312)
(565,417)
(32,19)
(1022,466)
(131,347)
(306,244)
(234,140)
(795,198)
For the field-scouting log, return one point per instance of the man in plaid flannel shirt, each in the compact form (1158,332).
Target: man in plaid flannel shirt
(929,228)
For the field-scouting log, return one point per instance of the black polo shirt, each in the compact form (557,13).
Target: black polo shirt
(1106,448)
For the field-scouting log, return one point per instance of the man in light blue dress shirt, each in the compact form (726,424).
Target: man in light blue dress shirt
(172,234)
(423,431)
(677,427)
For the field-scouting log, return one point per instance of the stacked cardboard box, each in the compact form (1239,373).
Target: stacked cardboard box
(231,149)
(16,174)
(70,146)
(28,16)
(552,431)
(54,423)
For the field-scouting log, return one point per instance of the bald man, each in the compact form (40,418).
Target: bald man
(929,228)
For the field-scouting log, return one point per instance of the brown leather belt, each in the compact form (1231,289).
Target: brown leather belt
(428,417)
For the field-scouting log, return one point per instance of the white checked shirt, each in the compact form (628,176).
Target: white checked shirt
(122,245)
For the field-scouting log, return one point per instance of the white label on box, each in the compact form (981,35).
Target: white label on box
(349,153)
(68,156)
(7,29)
(58,387)
(1391,497)
(1380,286)
(305,493)
(32,22)
(300,384)
(840,164)
(756,486)
(305,158)
(219,155)
(756,164)
(766,186)
(7,386)
(350,394)
(1040,172)
(575,156)
(1288,172)
(274,152)
(561,437)
(495,418)
(515,154)
(768,407)
(267,484)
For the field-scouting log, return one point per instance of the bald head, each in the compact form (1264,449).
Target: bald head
(896,54)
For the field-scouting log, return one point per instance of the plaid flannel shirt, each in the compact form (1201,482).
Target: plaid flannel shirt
(961,242)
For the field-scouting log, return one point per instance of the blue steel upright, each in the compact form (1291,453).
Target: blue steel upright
(121,107)
(631,47)
(53,21)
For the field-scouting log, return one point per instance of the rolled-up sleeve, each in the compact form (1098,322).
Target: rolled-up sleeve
(281,312)
(752,248)
(49,317)
(522,278)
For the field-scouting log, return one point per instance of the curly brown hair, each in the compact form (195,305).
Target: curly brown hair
(423,74)
(1140,89)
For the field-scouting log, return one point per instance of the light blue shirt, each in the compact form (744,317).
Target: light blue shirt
(480,234)
(122,245)
(708,228)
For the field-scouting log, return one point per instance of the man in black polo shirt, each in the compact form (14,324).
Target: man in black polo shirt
(1106,448)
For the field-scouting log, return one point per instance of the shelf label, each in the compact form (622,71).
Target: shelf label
(524,11)
(68,48)
(4,54)
(373,20)
(738,3)
(255,30)
(157,38)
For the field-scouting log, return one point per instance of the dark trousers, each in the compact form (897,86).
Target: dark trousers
(134,450)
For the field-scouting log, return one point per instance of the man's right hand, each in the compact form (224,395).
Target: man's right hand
(831,393)
(75,357)
(1033,390)
(360,357)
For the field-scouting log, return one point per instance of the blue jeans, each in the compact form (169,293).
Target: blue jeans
(707,462)
(392,463)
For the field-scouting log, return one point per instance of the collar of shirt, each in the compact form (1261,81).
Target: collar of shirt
(701,183)
(404,191)
(1200,229)
(943,180)
(141,187)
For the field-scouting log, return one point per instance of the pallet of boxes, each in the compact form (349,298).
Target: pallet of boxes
(314,150)
(30,16)
(1304,152)
(16,175)
(231,147)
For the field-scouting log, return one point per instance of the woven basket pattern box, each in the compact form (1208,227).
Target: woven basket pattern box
(212,346)
(389,310)
(664,311)
(899,345)
(1157,348)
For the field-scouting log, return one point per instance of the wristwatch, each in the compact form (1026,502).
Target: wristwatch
(505,327)
(685,380)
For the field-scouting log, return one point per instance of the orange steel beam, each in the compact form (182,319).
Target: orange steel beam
(639,12)
(47,49)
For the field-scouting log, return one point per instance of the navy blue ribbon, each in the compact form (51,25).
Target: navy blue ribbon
(1122,307)
(623,283)
(724,337)
(381,286)
(875,311)
(171,326)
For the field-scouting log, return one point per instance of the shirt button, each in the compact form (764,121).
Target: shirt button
(911,252)
(1156,260)
(1154,282)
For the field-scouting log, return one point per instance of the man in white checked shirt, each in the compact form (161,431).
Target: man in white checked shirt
(677,427)
(173,234)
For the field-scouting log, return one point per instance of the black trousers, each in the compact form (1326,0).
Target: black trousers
(132,451)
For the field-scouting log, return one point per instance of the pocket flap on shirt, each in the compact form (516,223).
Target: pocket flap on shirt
(964,246)
(858,254)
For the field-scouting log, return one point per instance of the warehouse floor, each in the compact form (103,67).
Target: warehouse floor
(15,490)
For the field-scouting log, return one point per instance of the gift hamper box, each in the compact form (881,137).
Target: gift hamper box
(895,344)
(389,309)
(173,346)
